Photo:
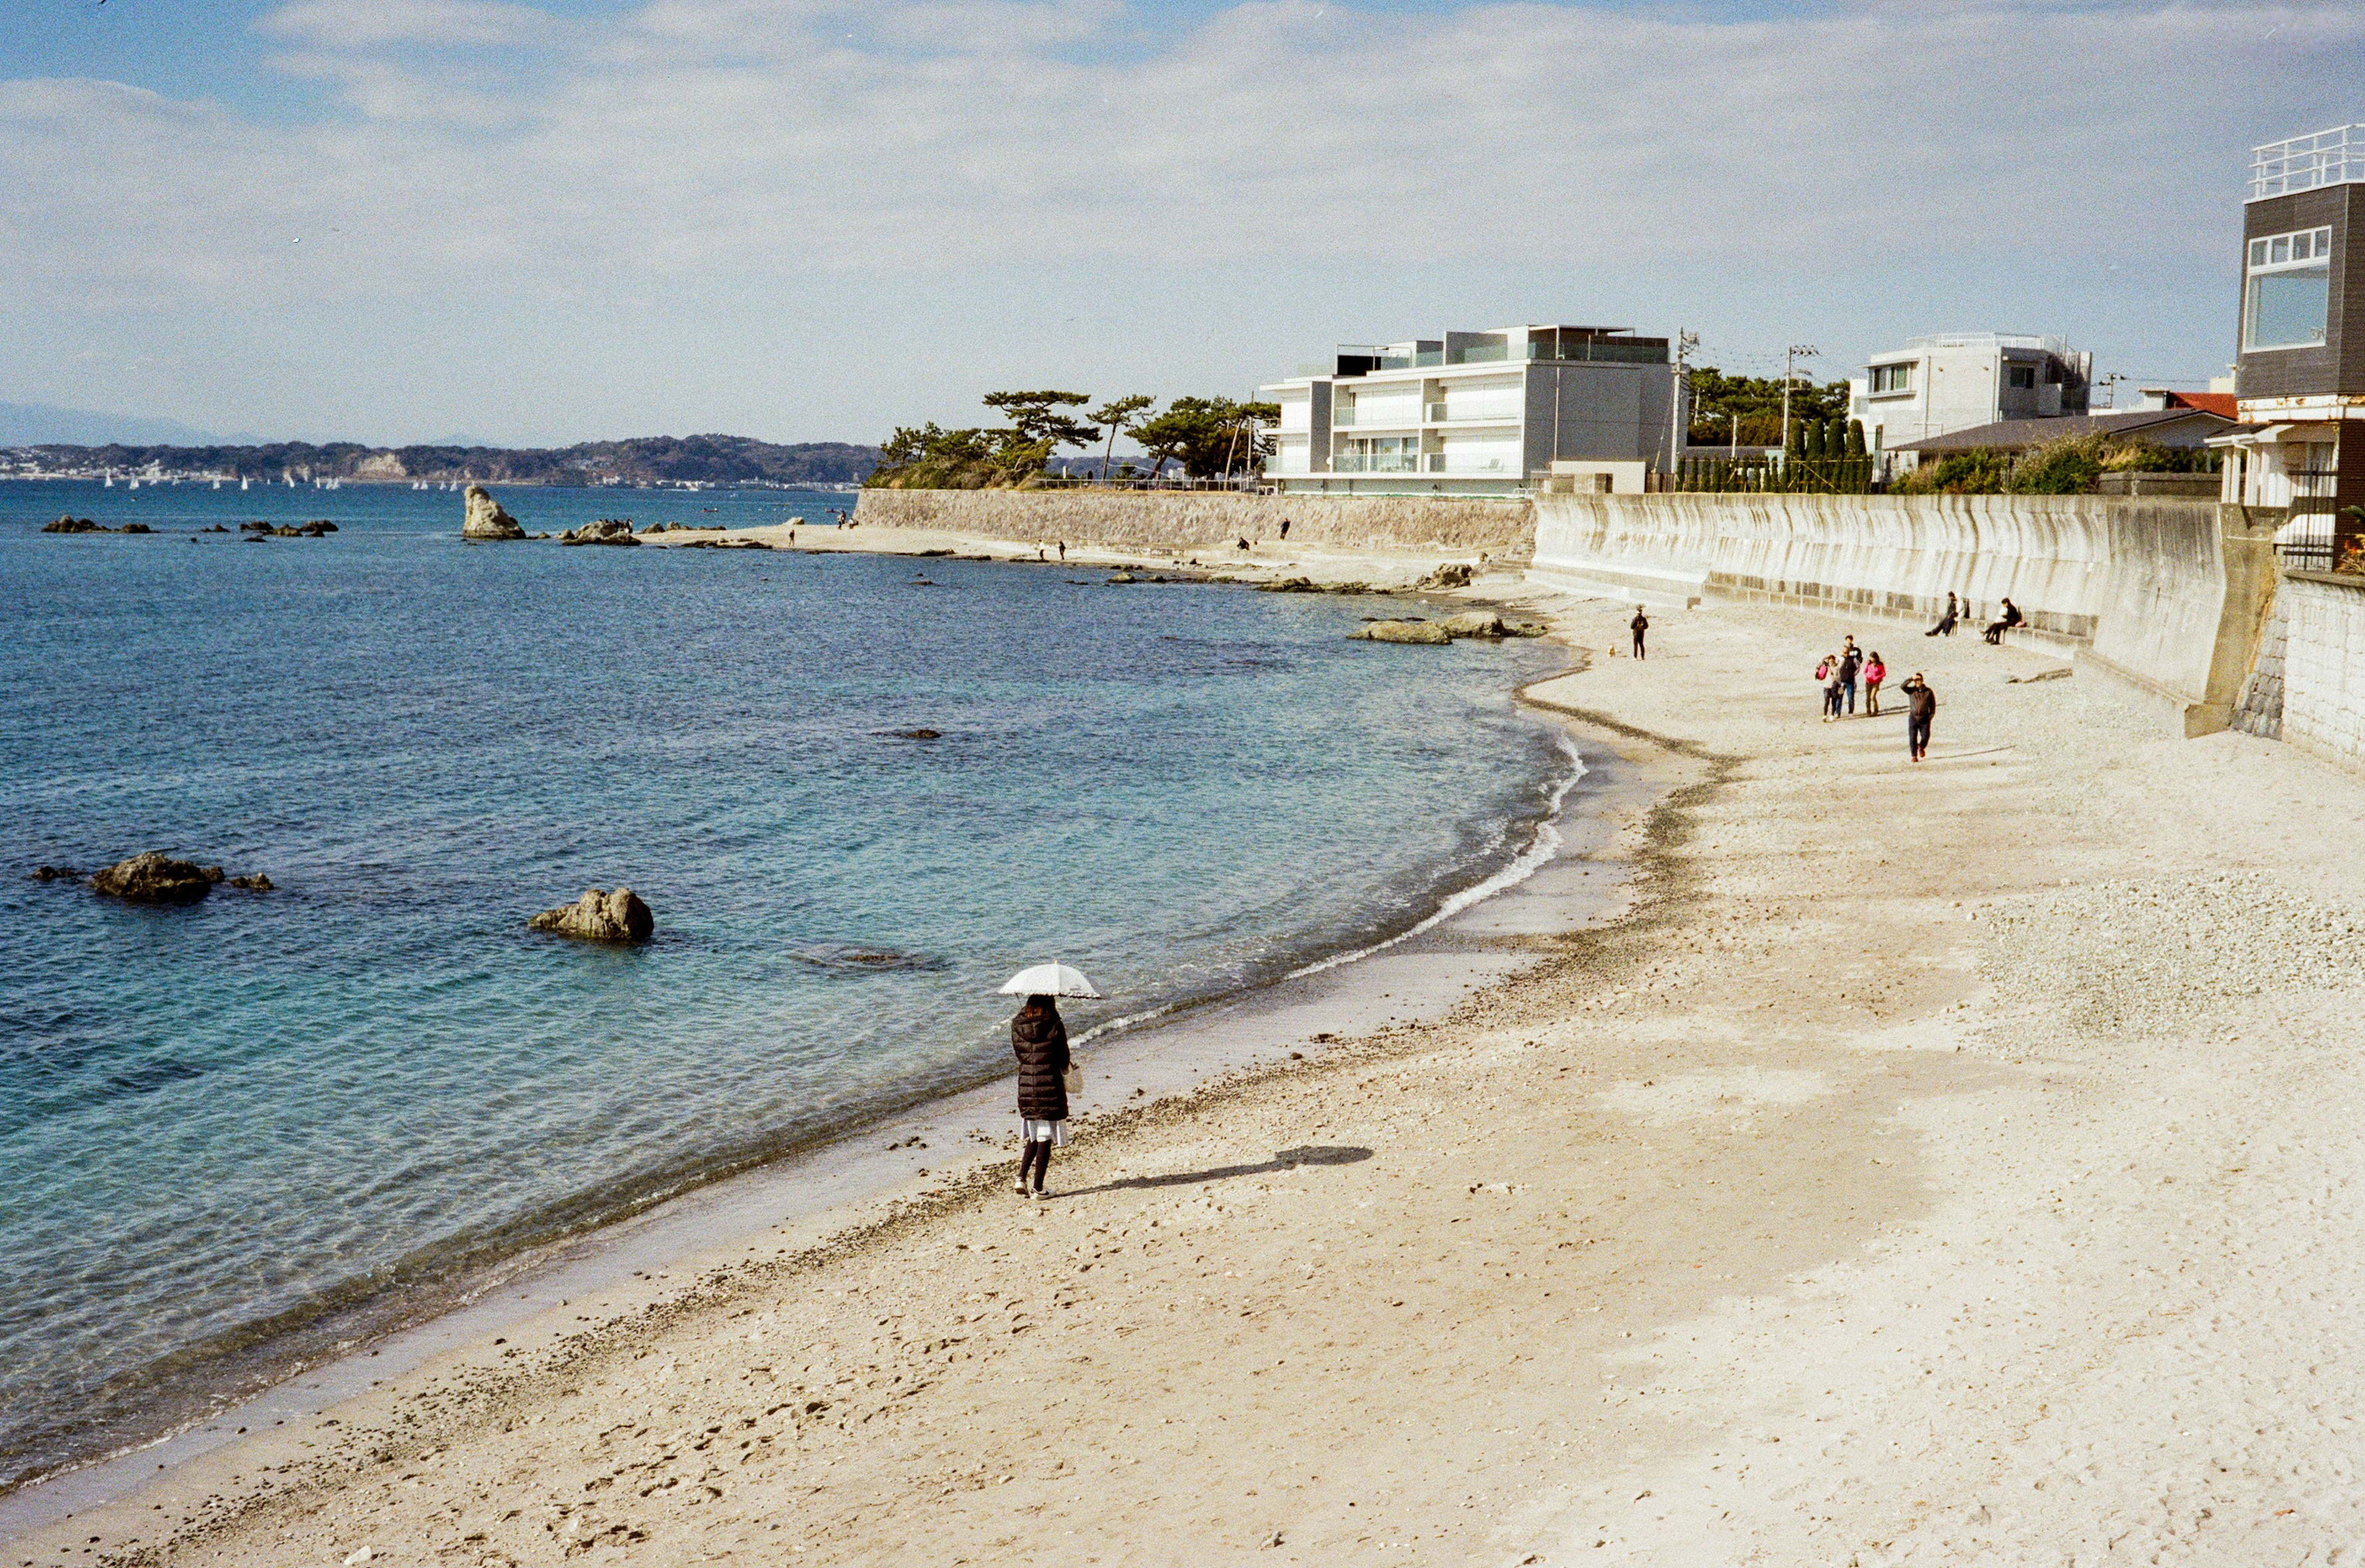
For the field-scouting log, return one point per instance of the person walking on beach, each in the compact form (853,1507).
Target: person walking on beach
(1827,678)
(1284,527)
(1641,624)
(1063,549)
(2011,618)
(1040,1043)
(1851,663)
(1920,707)
(1945,627)
(1875,672)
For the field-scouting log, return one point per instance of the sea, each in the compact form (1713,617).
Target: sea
(251,1131)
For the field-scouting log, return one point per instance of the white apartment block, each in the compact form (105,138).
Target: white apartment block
(1952,381)
(1472,413)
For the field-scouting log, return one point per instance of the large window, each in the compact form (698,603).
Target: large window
(1892,378)
(2024,376)
(2289,290)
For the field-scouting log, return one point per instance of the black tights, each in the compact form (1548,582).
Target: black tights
(1036,1158)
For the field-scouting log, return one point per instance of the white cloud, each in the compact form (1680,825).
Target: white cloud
(745,146)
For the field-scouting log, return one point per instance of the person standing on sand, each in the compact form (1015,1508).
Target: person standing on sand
(1945,627)
(1920,707)
(1875,672)
(1063,549)
(1284,527)
(1640,624)
(1850,662)
(1041,1042)
(1827,678)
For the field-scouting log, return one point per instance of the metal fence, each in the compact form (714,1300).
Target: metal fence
(1799,476)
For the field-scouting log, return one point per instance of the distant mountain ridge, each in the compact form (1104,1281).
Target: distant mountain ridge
(35,424)
(643,460)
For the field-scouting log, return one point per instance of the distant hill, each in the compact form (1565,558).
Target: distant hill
(663,459)
(37,424)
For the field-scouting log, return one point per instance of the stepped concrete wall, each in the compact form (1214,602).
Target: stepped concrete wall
(1208,520)
(2163,597)
(2323,667)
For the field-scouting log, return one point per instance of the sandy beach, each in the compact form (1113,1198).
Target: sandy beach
(1937,1163)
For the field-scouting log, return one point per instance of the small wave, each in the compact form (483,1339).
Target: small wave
(845,959)
(1538,854)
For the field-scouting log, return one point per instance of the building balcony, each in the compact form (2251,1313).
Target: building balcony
(1464,414)
(1423,463)
(2334,157)
(1352,419)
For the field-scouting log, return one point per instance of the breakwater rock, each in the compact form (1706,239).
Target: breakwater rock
(155,878)
(485,520)
(601,531)
(1418,632)
(84,525)
(600,916)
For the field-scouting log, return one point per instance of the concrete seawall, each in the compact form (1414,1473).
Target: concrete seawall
(2324,667)
(1208,520)
(2163,597)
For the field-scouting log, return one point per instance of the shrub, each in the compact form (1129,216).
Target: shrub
(2065,466)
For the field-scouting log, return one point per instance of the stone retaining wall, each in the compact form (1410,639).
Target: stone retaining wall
(2324,667)
(1208,520)
(2161,596)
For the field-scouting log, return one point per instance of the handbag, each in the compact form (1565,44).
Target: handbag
(1071,1080)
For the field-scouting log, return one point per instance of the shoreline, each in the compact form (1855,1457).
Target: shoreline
(1151,1057)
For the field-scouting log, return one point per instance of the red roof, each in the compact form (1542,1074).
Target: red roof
(2212,402)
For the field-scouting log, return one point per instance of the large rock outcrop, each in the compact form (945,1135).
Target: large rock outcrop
(600,916)
(1428,632)
(601,531)
(485,520)
(155,878)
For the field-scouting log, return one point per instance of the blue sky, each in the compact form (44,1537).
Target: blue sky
(390,219)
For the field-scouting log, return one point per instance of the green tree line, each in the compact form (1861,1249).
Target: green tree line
(1718,398)
(1205,438)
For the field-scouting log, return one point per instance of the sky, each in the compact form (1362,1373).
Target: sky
(393,221)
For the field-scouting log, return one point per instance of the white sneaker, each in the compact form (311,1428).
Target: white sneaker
(1042,1195)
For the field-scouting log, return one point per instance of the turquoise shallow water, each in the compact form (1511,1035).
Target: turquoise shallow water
(237,1131)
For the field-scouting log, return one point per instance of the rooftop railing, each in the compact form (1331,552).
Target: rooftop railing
(2334,157)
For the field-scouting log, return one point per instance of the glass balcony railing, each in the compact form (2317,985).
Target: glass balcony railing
(1599,351)
(1382,417)
(1472,413)
(1376,463)
(1478,354)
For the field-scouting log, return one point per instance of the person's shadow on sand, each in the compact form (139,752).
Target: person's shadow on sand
(1287,1160)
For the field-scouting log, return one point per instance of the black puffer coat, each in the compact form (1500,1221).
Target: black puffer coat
(1041,1042)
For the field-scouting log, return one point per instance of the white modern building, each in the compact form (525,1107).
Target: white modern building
(1952,381)
(1476,413)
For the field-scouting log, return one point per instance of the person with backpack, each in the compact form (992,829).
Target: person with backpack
(1827,678)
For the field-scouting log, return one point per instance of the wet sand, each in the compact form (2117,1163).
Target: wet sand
(1919,1164)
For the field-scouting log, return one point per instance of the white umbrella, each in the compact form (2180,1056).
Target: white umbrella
(1048,980)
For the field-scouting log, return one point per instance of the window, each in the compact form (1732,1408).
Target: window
(2023,377)
(2289,291)
(1886,378)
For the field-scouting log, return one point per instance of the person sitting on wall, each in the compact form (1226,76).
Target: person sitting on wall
(2011,618)
(1945,627)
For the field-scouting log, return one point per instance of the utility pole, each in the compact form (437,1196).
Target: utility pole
(2111,388)
(1795,352)
(1685,342)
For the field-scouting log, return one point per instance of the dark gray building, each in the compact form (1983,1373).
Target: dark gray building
(2300,381)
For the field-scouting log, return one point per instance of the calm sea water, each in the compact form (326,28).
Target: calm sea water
(241,1128)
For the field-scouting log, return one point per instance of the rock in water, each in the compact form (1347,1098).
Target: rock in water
(1425,631)
(258,883)
(600,916)
(601,531)
(485,519)
(1476,623)
(1453,574)
(153,877)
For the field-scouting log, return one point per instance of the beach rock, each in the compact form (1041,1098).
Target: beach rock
(56,874)
(601,531)
(254,539)
(916,734)
(255,528)
(72,525)
(485,520)
(1428,632)
(287,531)
(317,529)
(1451,575)
(600,916)
(1121,578)
(657,528)
(135,528)
(217,528)
(1476,623)
(258,883)
(154,878)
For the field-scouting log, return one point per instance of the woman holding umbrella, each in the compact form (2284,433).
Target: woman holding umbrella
(1045,1072)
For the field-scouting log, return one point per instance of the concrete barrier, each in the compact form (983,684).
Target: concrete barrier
(2323,667)
(2161,596)
(1209,520)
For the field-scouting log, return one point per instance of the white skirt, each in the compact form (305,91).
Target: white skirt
(1053,1133)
